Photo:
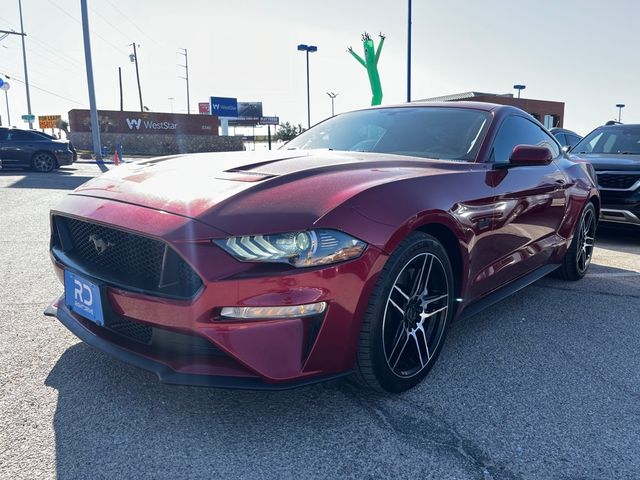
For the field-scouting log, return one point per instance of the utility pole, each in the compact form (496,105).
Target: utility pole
(120,85)
(134,58)
(95,125)
(409,53)
(186,77)
(24,60)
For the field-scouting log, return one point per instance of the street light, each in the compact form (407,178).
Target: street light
(519,88)
(620,106)
(308,48)
(5,86)
(332,96)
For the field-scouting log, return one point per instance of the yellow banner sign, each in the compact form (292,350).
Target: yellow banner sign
(49,121)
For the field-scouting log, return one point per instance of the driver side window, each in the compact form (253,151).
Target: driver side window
(516,130)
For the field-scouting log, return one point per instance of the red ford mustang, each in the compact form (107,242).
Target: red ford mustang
(351,250)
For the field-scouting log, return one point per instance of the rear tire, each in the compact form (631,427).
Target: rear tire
(578,257)
(43,162)
(410,308)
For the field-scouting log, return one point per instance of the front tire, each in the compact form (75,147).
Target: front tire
(407,317)
(43,162)
(578,257)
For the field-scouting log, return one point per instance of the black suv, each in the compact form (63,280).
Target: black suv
(614,152)
(33,149)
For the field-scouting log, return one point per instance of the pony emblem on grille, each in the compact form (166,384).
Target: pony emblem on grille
(100,244)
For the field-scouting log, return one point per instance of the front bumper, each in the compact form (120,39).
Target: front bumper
(272,354)
(65,158)
(620,207)
(164,370)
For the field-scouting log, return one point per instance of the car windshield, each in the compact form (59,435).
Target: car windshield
(429,132)
(613,140)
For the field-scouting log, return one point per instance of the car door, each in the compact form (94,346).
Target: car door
(19,147)
(531,199)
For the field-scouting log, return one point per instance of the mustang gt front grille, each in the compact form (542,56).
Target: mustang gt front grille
(124,259)
(618,181)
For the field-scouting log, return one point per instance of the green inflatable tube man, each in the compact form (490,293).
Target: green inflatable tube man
(370,62)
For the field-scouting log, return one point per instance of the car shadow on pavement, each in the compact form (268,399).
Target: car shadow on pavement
(522,390)
(624,239)
(56,180)
(118,421)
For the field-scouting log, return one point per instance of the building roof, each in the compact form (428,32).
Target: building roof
(464,96)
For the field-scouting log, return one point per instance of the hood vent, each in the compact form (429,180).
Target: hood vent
(243,176)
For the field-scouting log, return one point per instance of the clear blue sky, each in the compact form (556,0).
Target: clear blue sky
(581,52)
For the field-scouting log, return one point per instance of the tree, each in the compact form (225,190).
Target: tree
(287,132)
(64,126)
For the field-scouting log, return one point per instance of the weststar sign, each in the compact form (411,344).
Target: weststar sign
(114,121)
(136,123)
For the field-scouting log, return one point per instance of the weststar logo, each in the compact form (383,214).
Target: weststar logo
(134,123)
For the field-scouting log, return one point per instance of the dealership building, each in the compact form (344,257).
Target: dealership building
(550,114)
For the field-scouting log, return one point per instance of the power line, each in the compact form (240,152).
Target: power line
(126,17)
(107,21)
(46,47)
(17,79)
(54,52)
(75,19)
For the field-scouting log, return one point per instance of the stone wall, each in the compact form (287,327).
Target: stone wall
(137,144)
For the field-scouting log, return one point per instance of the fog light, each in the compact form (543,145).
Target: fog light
(292,311)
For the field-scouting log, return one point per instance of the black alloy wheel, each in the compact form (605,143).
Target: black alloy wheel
(408,314)
(43,162)
(579,254)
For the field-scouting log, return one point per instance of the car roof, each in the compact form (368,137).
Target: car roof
(487,107)
(621,125)
(562,130)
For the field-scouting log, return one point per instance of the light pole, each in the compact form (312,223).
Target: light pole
(519,88)
(171,99)
(134,58)
(332,96)
(95,124)
(186,77)
(308,48)
(620,106)
(409,53)
(24,59)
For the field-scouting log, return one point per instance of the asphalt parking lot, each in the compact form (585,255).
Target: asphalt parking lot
(544,385)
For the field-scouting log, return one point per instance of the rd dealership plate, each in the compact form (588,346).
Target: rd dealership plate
(83,297)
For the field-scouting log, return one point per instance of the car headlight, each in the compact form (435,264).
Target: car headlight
(300,249)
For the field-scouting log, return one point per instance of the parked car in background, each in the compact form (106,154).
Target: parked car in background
(614,151)
(33,149)
(567,138)
(349,250)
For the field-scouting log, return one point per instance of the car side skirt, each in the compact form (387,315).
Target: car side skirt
(506,291)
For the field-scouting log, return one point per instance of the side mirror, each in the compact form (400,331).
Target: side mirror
(530,155)
(566,148)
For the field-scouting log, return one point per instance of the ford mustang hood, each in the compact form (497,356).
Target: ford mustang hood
(254,191)
(602,161)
